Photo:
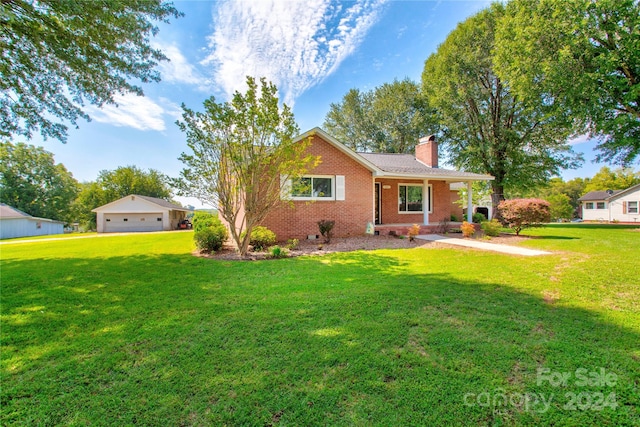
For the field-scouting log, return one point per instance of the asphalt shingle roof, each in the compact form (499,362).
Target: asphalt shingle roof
(598,195)
(407,164)
(7,211)
(162,202)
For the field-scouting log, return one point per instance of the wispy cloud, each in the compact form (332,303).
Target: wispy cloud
(294,44)
(178,69)
(138,112)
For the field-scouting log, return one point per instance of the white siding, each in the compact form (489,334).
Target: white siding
(129,222)
(617,205)
(595,214)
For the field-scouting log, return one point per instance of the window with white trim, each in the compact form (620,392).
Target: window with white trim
(632,207)
(588,205)
(312,187)
(600,205)
(410,198)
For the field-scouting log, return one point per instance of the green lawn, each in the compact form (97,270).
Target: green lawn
(133,329)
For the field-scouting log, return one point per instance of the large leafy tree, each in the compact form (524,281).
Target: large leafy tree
(484,127)
(389,119)
(58,55)
(347,121)
(243,153)
(581,59)
(127,180)
(31,181)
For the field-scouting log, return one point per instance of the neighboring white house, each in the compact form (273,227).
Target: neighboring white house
(139,213)
(15,223)
(616,205)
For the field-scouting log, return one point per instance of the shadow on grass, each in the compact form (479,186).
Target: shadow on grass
(359,338)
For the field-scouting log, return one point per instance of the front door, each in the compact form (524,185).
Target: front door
(377,202)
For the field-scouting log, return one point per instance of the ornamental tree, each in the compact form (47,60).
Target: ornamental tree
(243,153)
(524,213)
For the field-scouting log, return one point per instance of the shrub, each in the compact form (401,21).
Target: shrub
(414,230)
(209,232)
(292,244)
(202,220)
(454,218)
(261,238)
(491,228)
(478,218)
(210,239)
(326,227)
(278,252)
(468,229)
(524,213)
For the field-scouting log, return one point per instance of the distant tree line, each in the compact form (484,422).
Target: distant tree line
(31,181)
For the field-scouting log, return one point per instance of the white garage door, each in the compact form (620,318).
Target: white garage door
(132,222)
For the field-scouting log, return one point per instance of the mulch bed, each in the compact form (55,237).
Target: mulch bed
(348,244)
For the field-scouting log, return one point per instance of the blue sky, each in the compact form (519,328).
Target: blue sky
(313,50)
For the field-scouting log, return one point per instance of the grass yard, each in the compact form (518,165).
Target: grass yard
(125,330)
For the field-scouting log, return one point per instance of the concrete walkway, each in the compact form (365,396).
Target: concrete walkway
(469,243)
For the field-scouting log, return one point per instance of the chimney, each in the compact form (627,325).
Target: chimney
(427,151)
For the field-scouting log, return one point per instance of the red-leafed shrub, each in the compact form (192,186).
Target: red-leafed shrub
(524,213)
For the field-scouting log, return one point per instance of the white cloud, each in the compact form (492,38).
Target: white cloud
(294,44)
(178,69)
(138,112)
(580,139)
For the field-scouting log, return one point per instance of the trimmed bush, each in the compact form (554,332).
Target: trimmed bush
(202,220)
(478,218)
(518,214)
(209,232)
(261,238)
(210,239)
(491,228)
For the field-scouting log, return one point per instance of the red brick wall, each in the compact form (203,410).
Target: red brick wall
(441,203)
(298,219)
(427,151)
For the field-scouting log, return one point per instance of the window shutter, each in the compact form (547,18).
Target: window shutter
(624,207)
(340,188)
(285,188)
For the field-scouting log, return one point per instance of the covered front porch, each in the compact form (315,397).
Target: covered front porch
(402,202)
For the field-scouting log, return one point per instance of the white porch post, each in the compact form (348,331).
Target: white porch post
(469,202)
(425,201)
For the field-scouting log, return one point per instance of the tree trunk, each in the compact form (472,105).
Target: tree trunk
(497,195)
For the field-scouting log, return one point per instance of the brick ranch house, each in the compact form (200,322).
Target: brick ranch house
(389,191)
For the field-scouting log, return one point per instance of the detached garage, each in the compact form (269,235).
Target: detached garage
(136,213)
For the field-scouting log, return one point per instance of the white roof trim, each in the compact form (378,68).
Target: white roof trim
(623,192)
(340,146)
